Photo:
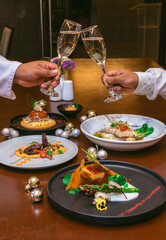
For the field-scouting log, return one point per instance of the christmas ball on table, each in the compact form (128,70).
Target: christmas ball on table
(14,133)
(69,127)
(33,181)
(65,134)
(83,118)
(92,149)
(5,132)
(37,194)
(58,132)
(75,132)
(91,113)
(102,154)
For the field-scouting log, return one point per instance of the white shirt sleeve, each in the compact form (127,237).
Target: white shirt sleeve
(152,83)
(7,72)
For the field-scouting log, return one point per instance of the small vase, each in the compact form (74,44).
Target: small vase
(62,79)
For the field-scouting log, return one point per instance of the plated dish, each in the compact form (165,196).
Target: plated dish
(60,120)
(99,123)
(9,147)
(70,110)
(150,201)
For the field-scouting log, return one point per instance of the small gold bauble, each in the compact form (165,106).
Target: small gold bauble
(91,113)
(37,194)
(69,127)
(33,181)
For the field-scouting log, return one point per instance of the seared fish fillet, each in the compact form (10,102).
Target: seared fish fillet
(121,134)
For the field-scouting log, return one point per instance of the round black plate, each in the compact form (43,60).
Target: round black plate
(150,202)
(60,123)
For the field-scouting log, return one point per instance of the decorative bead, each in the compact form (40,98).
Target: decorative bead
(5,132)
(33,181)
(28,187)
(75,132)
(58,132)
(83,118)
(37,195)
(102,154)
(91,113)
(92,149)
(65,134)
(14,133)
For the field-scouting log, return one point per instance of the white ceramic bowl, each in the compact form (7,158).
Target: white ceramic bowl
(95,124)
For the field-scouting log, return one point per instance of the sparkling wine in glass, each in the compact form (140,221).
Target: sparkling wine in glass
(95,47)
(66,43)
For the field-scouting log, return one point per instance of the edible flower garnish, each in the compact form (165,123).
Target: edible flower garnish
(100,203)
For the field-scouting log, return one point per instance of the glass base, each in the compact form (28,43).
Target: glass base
(49,92)
(113,97)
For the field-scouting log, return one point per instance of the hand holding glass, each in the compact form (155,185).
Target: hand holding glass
(95,47)
(66,43)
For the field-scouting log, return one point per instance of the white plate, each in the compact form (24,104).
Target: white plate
(95,124)
(8,147)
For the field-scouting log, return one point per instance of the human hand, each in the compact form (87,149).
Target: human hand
(120,80)
(36,73)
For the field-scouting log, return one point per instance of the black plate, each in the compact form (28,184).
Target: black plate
(60,123)
(150,202)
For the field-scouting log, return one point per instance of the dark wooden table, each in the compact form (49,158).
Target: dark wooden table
(21,219)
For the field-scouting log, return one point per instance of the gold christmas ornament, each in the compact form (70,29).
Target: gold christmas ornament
(69,127)
(37,194)
(33,181)
(91,113)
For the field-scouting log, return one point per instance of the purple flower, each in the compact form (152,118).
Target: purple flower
(65,65)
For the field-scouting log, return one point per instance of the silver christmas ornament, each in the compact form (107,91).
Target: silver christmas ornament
(14,133)
(65,134)
(102,154)
(33,181)
(58,132)
(92,149)
(75,132)
(37,195)
(5,132)
(83,118)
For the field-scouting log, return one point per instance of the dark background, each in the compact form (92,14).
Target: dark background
(118,21)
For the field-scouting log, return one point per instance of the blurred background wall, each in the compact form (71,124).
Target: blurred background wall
(131,28)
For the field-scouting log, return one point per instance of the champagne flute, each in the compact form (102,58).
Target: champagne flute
(95,47)
(66,43)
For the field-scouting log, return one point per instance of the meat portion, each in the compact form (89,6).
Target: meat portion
(93,174)
(30,150)
(121,134)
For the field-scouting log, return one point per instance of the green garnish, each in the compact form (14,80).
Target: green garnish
(17,160)
(121,180)
(60,151)
(76,105)
(49,152)
(144,131)
(91,156)
(105,188)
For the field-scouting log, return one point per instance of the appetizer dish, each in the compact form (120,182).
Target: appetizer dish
(71,108)
(119,130)
(40,150)
(100,183)
(37,119)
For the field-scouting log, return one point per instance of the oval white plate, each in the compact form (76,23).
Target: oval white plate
(7,156)
(95,124)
